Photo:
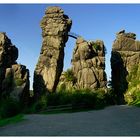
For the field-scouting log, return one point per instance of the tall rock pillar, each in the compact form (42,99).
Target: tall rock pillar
(125,66)
(55,27)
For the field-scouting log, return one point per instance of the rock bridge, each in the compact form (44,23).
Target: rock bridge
(88,61)
(73,35)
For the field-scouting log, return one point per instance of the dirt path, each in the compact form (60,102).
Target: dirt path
(111,121)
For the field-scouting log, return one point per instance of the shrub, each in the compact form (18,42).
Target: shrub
(132,95)
(61,87)
(9,108)
(42,103)
(53,99)
(83,100)
(95,46)
(70,76)
(65,98)
(19,82)
(79,99)
(39,105)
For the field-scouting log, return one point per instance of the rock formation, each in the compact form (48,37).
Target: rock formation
(55,27)
(88,64)
(14,78)
(125,66)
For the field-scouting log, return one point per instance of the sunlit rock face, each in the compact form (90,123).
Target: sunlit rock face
(88,64)
(125,66)
(14,78)
(55,27)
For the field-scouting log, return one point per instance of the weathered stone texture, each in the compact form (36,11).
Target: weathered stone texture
(125,57)
(55,27)
(8,52)
(14,78)
(88,64)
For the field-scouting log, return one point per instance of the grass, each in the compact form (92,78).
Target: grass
(11,120)
(137,104)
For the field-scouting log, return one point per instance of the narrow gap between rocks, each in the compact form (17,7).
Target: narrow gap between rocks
(68,53)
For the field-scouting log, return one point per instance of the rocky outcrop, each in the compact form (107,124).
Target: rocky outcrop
(55,27)
(14,78)
(88,64)
(125,65)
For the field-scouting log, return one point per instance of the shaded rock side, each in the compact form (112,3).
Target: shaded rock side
(14,78)
(8,55)
(88,64)
(8,52)
(55,27)
(124,61)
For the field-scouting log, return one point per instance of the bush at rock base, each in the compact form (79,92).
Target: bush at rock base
(132,95)
(69,75)
(19,82)
(78,99)
(9,108)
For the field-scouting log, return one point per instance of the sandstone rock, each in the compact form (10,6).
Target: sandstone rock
(14,78)
(7,83)
(55,27)
(16,83)
(125,57)
(21,83)
(125,41)
(80,40)
(88,64)
(8,52)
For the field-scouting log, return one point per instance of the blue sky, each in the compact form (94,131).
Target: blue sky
(21,22)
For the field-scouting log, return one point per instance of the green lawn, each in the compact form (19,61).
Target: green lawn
(11,120)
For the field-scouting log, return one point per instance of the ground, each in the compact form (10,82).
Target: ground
(112,121)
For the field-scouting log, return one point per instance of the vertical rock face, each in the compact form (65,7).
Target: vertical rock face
(14,78)
(8,52)
(125,65)
(55,27)
(88,64)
